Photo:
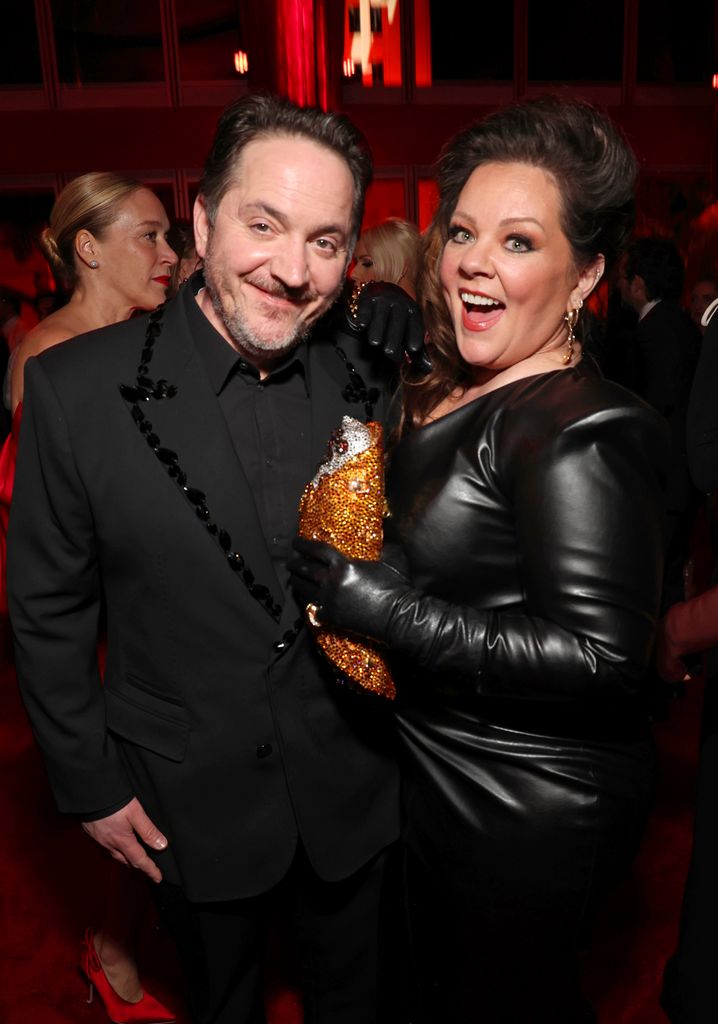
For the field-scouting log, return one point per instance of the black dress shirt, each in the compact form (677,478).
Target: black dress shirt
(269,421)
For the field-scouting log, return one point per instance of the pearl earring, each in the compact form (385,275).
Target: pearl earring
(94,264)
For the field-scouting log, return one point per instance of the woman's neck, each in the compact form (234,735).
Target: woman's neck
(97,309)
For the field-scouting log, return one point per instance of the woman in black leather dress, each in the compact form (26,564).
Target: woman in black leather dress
(521,577)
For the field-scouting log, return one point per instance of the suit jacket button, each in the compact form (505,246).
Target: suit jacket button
(264,750)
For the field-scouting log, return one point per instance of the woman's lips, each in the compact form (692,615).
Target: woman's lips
(163,279)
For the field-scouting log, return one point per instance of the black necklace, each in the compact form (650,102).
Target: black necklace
(146,389)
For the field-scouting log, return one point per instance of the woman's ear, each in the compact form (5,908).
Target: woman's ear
(588,279)
(87,249)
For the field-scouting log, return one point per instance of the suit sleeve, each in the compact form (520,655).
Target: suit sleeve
(54,594)
(702,420)
(588,520)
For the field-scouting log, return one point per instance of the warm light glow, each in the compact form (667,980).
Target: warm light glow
(241,62)
(349,68)
(715,81)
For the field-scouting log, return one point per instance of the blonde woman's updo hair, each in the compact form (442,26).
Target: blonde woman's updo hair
(394,247)
(91,202)
(595,173)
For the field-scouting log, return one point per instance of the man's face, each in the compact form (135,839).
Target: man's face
(631,288)
(276,253)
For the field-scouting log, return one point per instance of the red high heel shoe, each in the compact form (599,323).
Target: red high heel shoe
(120,1011)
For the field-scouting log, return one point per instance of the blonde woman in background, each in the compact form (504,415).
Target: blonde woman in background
(106,241)
(389,252)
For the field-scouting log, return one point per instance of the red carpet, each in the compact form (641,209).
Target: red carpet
(53,877)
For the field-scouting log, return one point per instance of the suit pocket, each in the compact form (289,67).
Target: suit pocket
(147,719)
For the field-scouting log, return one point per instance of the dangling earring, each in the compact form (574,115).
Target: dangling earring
(571,319)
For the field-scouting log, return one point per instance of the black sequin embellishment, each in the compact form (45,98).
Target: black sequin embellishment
(146,389)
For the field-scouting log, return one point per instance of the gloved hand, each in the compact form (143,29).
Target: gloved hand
(392,321)
(352,595)
(377,601)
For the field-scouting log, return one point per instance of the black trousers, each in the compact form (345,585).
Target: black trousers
(337,925)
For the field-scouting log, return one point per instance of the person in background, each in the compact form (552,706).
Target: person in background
(181,238)
(12,326)
(689,628)
(520,584)
(703,293)
(389,252)
(107,242)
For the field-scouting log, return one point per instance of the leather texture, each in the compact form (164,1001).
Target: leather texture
(531,521)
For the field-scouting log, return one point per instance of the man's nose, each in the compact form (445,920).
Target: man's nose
(290,263)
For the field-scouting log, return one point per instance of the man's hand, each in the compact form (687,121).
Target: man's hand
(118,834)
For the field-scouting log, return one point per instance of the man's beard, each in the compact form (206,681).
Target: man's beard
(252,343)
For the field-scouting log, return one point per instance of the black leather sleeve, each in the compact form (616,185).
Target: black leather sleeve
(54,598)
(702,420)
(588,516)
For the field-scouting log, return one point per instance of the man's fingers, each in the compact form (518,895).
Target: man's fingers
(146,829)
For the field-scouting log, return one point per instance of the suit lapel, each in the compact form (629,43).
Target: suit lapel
(192,426)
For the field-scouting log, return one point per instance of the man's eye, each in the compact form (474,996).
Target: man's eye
(262,227)
(326,245)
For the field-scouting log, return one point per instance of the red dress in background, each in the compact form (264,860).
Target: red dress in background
(8,456)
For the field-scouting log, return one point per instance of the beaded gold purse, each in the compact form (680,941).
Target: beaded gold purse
(344,506)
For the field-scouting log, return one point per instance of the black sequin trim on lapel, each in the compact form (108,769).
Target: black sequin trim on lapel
(146,389)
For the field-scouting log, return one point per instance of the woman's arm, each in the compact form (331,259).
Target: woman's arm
(589,546)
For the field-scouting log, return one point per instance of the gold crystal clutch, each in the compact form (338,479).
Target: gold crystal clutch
(344,506)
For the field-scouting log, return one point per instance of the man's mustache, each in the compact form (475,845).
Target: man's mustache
(283,291)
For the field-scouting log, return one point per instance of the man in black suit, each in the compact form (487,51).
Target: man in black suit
(664,352)
(160,468)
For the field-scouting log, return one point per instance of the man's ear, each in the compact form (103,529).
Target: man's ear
(637,287)
(202,226)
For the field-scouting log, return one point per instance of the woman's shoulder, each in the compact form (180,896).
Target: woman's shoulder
(580,409)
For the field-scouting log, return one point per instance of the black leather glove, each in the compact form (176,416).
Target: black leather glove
(375,600)
(351,594)
(392,321)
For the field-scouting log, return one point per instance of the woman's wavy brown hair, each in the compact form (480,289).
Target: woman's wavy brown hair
(595,172)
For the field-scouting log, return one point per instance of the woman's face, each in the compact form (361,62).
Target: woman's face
(507,269)
(133,255)
(364,265)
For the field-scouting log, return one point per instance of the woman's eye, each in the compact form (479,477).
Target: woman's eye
(366,262)
(152,236)
(460,235)
(519,243)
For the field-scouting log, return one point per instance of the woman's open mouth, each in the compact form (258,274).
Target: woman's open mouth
(479,312)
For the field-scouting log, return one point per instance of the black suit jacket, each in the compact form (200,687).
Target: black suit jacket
(666,350)
(233,748)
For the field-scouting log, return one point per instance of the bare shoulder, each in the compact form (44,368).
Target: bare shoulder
(47,333)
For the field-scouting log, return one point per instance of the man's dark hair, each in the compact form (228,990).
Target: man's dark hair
(658,262)
(262,116)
